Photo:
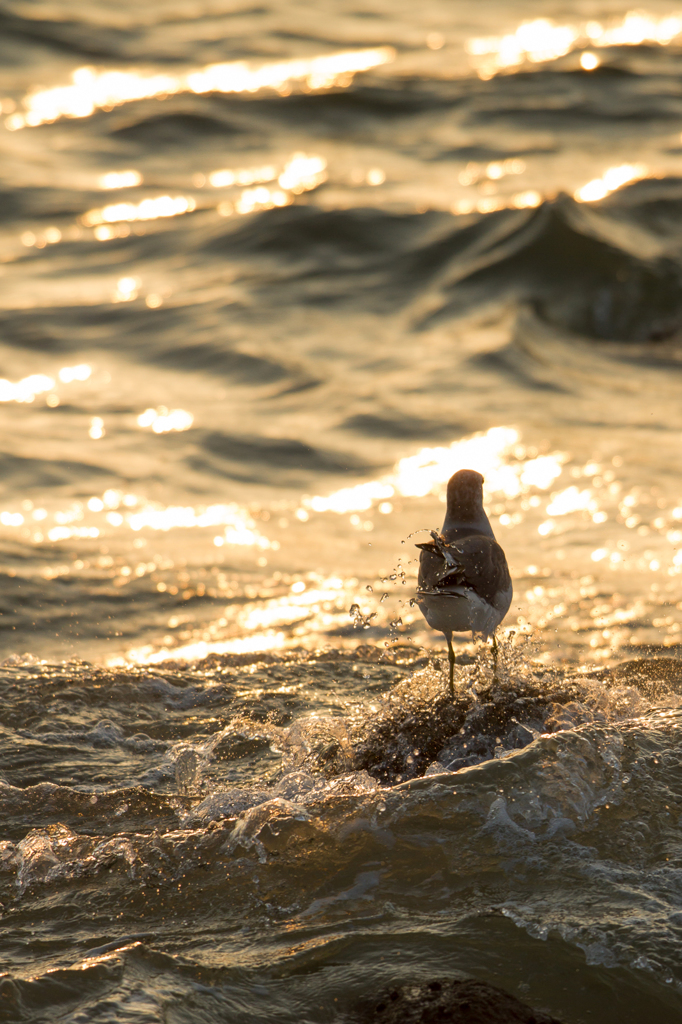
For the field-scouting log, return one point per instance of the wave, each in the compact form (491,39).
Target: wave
(214,357)
(73,37)
(543,831)
(571,271)
(400,425)
(28,473)
(177,128)
(283,457)
(607,273)
(584,270)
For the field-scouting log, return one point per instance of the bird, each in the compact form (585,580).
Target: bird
(464,582)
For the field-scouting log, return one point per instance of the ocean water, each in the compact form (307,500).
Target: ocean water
(268,276)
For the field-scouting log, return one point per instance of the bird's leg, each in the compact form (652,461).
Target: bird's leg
(451,659)
(495,651)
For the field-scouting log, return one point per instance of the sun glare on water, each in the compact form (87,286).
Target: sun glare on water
(91,89)
(147,209)
(149,655)
(302,172)
(497,454)
(28,388)
(543,39)
(611,180)
(163,420)
(120,179)
(534,41)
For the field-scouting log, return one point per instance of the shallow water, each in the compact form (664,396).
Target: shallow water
(268,276)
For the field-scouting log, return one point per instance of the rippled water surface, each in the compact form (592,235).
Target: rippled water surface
(268,276)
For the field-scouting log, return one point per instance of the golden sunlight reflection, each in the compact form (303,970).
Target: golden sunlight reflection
(96,431)
(116,509)
(163,420)
(544,40)
(295,607)
(239,527)
(39,383)
(103,232)
(325,72)
(302,173)
(572,500)
(25,390)
(376,176)
(126,289)
(58,533)
(305,172)
(67,374)
(92,90)
(592,191)
(120,179)
(242,176)
(150,655)
(504,463)
(589,61)
(529,199)
(475,172)
(11,519)
(146,209)
(611,180)
(255,199)
(310,607)
(538,40)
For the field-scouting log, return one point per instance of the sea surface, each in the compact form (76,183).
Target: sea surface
(269,274)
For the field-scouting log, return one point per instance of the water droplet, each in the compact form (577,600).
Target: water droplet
(360,621)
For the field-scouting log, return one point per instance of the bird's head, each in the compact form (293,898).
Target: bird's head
(465,495)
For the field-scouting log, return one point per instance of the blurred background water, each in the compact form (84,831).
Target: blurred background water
(268,276)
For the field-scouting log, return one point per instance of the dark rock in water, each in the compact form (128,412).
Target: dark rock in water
(406,736)
(419,725)
(453,1001)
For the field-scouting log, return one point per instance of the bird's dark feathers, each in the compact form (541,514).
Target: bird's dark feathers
(473,561)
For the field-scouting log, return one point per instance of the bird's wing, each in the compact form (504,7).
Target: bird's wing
(428,545)
(477,562)
(436,546)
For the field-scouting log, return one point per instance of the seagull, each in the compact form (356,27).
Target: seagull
(464,582)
